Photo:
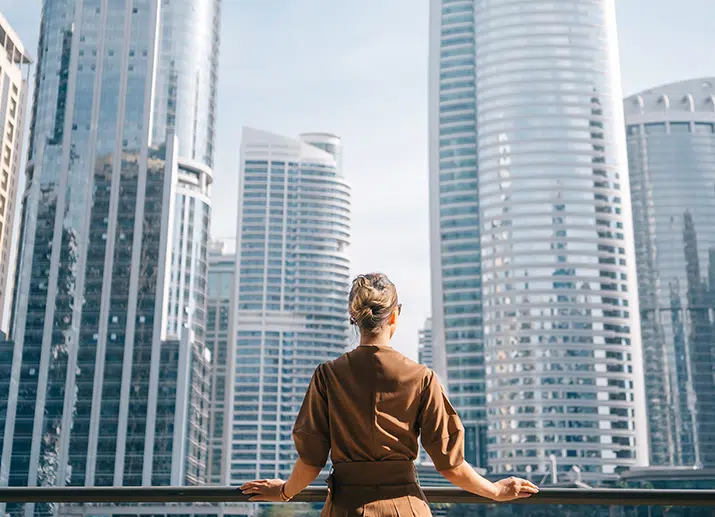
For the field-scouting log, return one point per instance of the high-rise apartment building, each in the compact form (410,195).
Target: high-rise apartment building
(425,347)
(14,75)
(113,253)
(222,267)
(425,355)
(535,313)
(671,153)
(290,298)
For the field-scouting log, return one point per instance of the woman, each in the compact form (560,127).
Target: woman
(367,409)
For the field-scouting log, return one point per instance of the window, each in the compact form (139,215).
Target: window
(656,128)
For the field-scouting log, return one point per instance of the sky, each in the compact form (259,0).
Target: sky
(358,68)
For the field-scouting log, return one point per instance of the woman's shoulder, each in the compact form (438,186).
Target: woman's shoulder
(390,358)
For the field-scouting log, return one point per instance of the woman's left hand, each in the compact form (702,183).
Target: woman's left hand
(264,490)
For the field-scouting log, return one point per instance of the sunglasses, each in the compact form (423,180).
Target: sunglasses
(399,309)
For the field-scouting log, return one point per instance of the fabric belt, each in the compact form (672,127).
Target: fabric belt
(395,472)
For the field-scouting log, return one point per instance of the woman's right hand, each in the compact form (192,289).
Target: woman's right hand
(513,488)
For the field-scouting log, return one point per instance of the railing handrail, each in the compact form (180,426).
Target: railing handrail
(223,494)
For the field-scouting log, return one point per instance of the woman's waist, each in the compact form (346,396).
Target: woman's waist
(372,473)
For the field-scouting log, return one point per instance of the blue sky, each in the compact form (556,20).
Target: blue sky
(358,68)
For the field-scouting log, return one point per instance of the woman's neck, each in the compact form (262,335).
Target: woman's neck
(378,339)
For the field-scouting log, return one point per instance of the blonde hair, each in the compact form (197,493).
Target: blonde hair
(373,299)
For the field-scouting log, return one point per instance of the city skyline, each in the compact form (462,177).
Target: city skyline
(144,351)
(390,87)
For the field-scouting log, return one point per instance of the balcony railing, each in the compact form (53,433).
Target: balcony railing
(212,494)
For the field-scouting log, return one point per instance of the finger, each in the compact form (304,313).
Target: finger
(524,495)
(256,498)
(532,485)
(528,489)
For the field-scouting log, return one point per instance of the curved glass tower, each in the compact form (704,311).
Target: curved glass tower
(290,304)
(671,152)
(105,189)
(544,227)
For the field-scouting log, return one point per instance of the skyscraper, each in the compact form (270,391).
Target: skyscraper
(455,258)
(112,259)
(14,74)
(671,153)
(534,304)
(222,267)
(290,298)
(425,345)
(425,355)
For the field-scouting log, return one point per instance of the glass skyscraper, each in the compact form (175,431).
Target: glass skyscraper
(535,312)
(457,327)
(113,252)
(290,299)
(671,152)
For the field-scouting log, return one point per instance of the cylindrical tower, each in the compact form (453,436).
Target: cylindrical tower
(186,76)
(289,300)
(671,154)
(561,322)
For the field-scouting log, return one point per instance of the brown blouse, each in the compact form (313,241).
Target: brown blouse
(371,404)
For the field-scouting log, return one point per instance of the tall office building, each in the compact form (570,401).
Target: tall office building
(222,267)
(112,259)
(14,75)
(425,345)
(671,152)
(534,289)
(290,296)
(454,218)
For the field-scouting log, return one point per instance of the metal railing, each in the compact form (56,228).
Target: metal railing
(214,494)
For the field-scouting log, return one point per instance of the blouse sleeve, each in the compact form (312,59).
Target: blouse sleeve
(311,433)
(441,430)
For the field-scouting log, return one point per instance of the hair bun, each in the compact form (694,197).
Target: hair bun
(373,298)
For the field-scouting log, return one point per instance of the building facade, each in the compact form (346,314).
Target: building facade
(292,269)
(425,356)
(457,328)
(671,152)
(425,347)
(222,267)
(98,258)
(14,76)
(533,258)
